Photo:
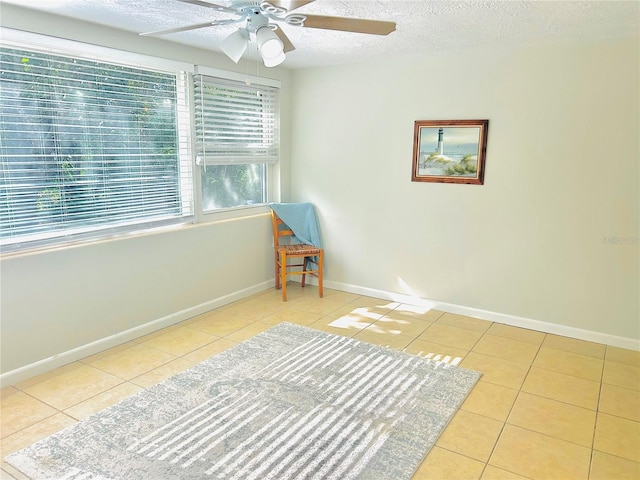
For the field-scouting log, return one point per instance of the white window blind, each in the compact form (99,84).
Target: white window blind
(235,123)
(87,146)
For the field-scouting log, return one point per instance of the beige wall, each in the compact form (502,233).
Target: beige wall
(60,300)
(562,176)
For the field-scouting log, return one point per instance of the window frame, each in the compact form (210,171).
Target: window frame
(46,44)
(272,169)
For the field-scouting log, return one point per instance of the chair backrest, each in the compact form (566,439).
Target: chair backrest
(280,229)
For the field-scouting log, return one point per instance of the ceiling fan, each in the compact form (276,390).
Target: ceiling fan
(273,43)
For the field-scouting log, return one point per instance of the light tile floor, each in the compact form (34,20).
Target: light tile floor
(547,407)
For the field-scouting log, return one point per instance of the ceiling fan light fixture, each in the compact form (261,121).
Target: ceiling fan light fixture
(274,61)
(235,44)
(269,45)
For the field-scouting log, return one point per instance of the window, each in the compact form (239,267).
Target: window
(96,142)
(236,138)
(86,146)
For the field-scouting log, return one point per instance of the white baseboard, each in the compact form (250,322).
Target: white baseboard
(554,328)
(46,364)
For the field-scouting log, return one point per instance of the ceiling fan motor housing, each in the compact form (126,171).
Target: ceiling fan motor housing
(256,20)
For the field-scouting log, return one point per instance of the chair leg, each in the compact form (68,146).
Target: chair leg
(320,265)
(283,274)
(305,264)
(277,271)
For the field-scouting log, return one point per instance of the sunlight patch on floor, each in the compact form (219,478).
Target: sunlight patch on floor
(350,322)
(440,358)
(420,304)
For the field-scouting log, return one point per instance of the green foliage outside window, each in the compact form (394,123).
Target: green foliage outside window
(84,143)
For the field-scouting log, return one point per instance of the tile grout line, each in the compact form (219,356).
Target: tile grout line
(506,420)
(484,464)
(595,423)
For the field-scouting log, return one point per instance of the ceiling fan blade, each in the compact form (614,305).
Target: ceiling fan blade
(289,4)
(200,3)
(288,46)
(375,27)
(179,29)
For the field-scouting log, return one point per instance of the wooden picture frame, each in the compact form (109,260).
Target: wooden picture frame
(449,151)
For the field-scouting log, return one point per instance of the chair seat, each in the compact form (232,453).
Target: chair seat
(298,249)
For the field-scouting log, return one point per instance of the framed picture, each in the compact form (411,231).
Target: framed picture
(449,151)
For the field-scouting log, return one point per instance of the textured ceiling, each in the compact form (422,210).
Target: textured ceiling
(423,26)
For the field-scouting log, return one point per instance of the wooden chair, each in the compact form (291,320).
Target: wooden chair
(311,258)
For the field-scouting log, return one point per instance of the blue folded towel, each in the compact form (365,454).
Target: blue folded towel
(301,218)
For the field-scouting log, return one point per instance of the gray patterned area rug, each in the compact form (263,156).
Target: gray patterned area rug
(289,403)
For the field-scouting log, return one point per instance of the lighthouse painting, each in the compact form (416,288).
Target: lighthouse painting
(449,151)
